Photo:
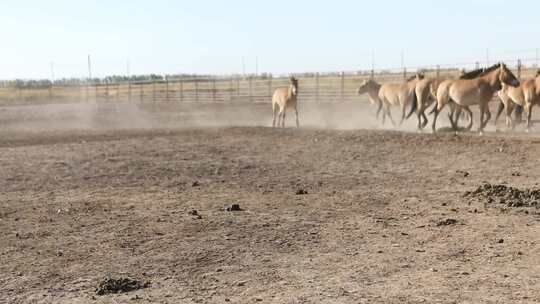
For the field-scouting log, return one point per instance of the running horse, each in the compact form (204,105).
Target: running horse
(426,95)
(283,99)
(398,94)
(520,97)
(371,88)
(477,91)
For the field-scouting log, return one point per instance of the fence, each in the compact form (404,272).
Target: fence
(316,87)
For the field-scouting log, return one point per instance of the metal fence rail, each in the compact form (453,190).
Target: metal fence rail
(316,87)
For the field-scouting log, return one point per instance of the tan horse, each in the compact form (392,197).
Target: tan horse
(425,95)
(477,91)
(371,87)
(283,99)
(525,95)
(398,94)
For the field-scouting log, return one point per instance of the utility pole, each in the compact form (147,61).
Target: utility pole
(256,65)
(52,72)
(89,69)
(372,63)
(244,66)
(402,60)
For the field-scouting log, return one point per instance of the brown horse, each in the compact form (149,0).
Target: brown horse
(479,90)
(283,99)
(401,94)
(371,87)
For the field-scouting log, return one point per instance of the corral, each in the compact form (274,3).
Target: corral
(340,211)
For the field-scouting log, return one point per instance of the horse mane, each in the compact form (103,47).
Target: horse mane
(421,76)
(480,72)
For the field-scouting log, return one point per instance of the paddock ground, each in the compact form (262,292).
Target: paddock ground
(96,190)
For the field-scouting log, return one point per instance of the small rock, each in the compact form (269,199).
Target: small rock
(195,184)
(500,241)
(234,207)
(301,192)
(241,283)
(447,222)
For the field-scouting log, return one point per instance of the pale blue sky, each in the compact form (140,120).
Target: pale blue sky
(202,36)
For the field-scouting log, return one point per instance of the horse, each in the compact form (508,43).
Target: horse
(515,98)
(371,87)
(283,99)
(426,94)
(510,98)
(479,90)
(401,94)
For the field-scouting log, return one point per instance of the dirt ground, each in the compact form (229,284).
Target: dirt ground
(340,211)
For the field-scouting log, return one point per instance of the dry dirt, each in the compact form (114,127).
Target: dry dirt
(330,213)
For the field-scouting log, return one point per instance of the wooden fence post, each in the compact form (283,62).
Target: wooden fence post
(213,89)
(51,93)
(342,87)
(141,92)
(154,90)
(196,90)
(96,89)
(317,87)
(107,91)
(250,89)
(231,88)
(181,90)
(270,87)
(129,90)
(167,88)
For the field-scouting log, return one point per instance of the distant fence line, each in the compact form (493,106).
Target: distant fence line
(313,87)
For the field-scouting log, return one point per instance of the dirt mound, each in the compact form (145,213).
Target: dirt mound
(119,285)
(506,195)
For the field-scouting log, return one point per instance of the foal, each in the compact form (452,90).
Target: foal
(283,99)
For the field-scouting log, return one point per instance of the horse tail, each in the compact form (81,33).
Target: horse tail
(414,105)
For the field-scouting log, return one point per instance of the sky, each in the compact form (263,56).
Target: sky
(216,37)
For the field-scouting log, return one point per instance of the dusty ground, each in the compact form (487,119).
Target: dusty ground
(89,192)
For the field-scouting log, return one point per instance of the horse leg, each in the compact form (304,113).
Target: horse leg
(502,106)
(283,117)
(297,121)
(469,113)
(528,110)
(389,113)
(424,124)
(488,116)
(403,113)
(274,112)
(509,121)
(482,113)
(379,108)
